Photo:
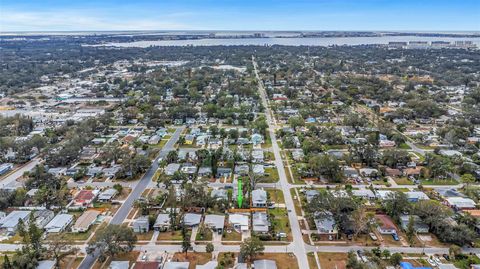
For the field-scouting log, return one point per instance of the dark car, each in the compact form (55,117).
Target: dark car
(446,257)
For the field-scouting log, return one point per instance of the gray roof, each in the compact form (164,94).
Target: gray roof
(172,168)
(119,265)
(192,219)
(260,222)
(107,194)
(59,222)
(162,220)
(46,264)
(11,221)
(215,221)
(264,264)
(176,265)
(259,196)
(325,224)
(219,194)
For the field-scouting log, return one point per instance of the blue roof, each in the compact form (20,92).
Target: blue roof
(407,265)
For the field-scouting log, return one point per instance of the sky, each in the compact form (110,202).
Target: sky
(347,15)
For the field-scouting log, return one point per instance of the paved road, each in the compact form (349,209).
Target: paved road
(122,212)
(9,180)
(297,246)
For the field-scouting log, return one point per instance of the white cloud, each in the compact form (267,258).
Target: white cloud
(84,20)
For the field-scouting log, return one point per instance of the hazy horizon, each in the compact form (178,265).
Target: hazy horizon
(248,15)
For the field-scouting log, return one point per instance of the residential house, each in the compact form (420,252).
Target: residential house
(258,169)
(223,172)
(83,223)
(46,264)
(10,222)
(364,193)
(257,139)
(264,264)
(119,265)
(174,265)
(260,222)
(85,198)
(460,203)
(310,194)
(385,225)
(415,196)
(257,156)
(239,222)
(418,225)
(259,198)
(59,223)
(172,168)
(107,195)
(141,224)
(326,225)
(215,222)
(192,219)
(162,223)
(220,194)
(43,217)
(151,265)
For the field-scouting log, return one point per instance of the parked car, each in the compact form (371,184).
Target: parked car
(395,237)
(446,257)
(431,262)
(373,236)
(437,260)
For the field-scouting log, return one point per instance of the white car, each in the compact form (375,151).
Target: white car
(437,260)
(373,236)
(431,262)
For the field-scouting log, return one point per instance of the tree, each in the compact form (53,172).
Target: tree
(410,232)
(59,248)
(454,251)
(209,248)
(32,249)
(112,240)
(395,204)
(118,187)
(395,259)
(296,122)
(467,179)
(324,165)
(360,220)
(185,240)
(353,262)
(6,263)
(250,248)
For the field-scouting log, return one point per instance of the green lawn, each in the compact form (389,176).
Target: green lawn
(272,175)
(276,196)
(439,182)
(404,146)
(280,221)
(403,181)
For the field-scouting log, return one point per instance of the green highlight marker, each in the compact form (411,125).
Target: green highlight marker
(240,193)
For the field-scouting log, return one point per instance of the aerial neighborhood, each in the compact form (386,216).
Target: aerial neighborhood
(212,157)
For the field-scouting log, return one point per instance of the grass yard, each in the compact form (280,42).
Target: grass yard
(232,236)
(404,146)
(204,234)
(445,182)
(465,261)
(280,221)
(333,260)
(272,175)
(276,196)
(283,260)
(312,264)
(195,258)
(226,259)
(171,236)
(144,236)
(403,181)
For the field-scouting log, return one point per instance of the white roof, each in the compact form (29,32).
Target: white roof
(58,223)
(12,219)
(238,219)
(461,202)
(417,195)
